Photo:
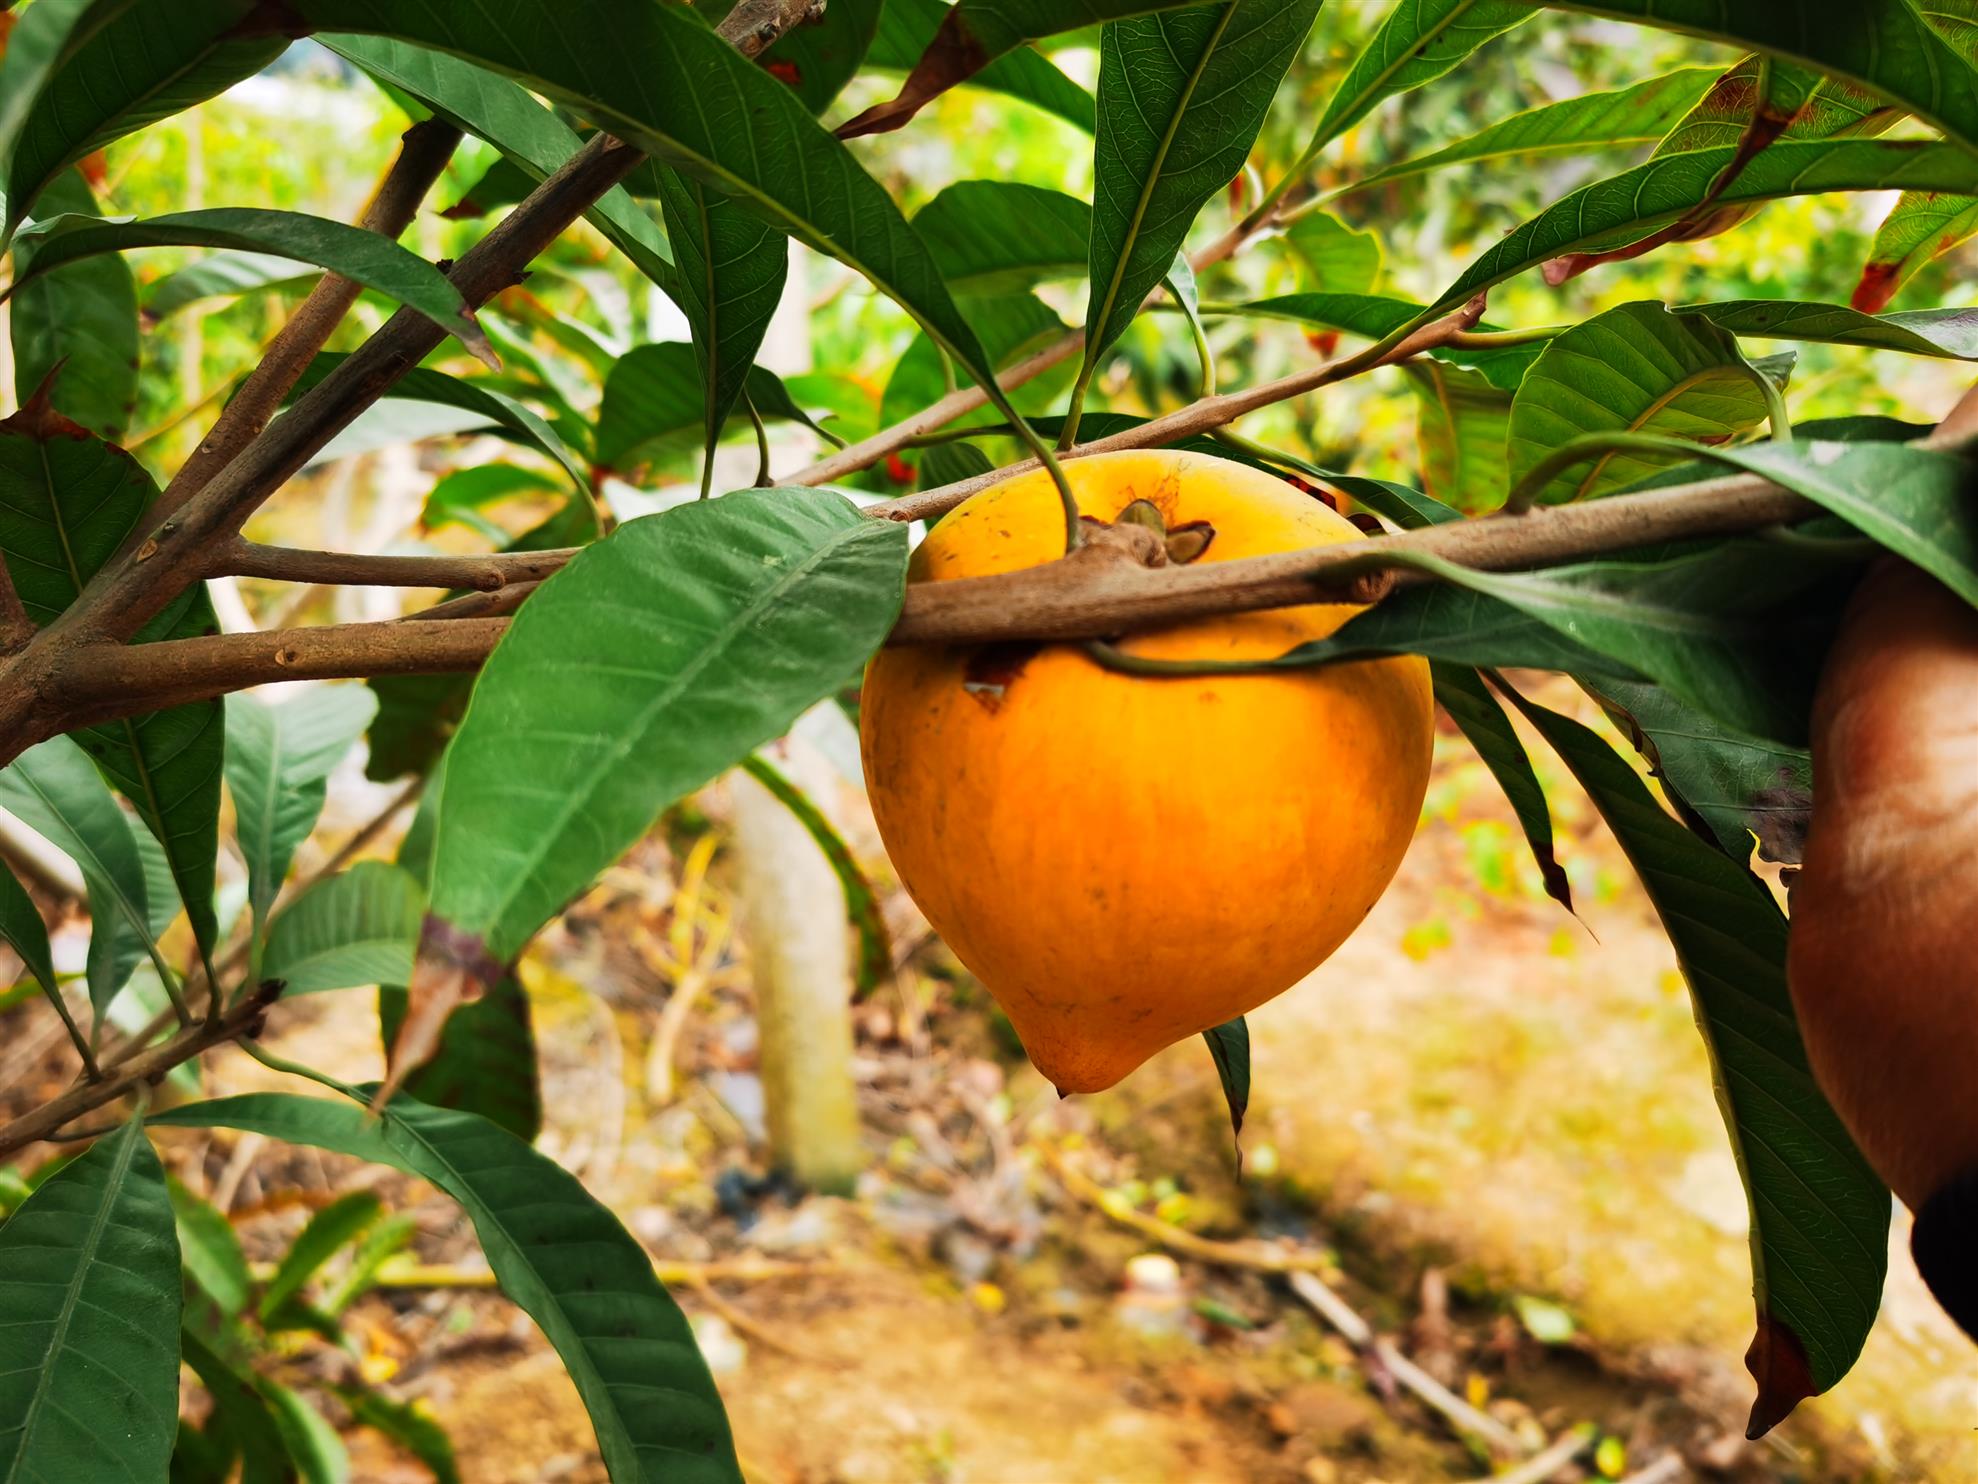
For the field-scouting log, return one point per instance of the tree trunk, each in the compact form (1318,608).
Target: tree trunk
(795,927)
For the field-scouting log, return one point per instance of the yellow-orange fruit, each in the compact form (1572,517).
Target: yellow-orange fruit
(1883,960)
(1127,861)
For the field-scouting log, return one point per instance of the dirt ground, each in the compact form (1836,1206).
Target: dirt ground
(1488,1129)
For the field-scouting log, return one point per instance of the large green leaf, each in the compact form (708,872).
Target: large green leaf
(1631,116)
(502,112)
(210,1250)
(1011,325)
(279,760)
(1002,236)
(1621,210)
(908,27)
(1915,501)
(54,790)
(356,927)
(76,331)
(221,275)
(117,66)
(1181,97)
(1463,420)
(1920,227)
(731,267)
(67,501)
(1637,368)
(1737,786)
(1462,693)
(658,77)
(1337,259)
(556,1252)
(976,34)
(1948,333)
(656,658)
(1418,42)
(1376,316)
(486,1061)
(357,254)
(241,1428)
(1819,1215)
(1885,45)
(89,1302)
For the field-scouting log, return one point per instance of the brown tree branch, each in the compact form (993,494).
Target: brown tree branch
(147,1068)
(422,155)
(1199,417)
(482,573)
(16,628)
(478,605)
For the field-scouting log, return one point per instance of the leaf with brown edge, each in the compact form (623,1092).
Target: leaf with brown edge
(951,58)
(451,969)
(1777,1362)
(1921,227)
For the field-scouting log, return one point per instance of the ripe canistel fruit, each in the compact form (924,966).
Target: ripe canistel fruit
(1883,961)
(1126,861)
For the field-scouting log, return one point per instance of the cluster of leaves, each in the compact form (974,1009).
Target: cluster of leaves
(673,647)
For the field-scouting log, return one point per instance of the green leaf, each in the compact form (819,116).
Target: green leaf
(1011,325)
(76,331)
(106,70)
(875,955)
(221,275)
(279,761)
(1418,42)
(362,256)
(1628,117)
(1736,787)
(1181,97)
(67,501)
(90,1299)
(407,1424)
(22,930)
(1819,1215)
(356,927)
(1921,227)
(1339,258)
(908,27)
(486,1062)
(53,789)
(210,1250)
(1621,210)
(1000,236)
(343,1220)
(460,497)
(1407,508)
(1887,48)
(313,1445)
(241,1424)
(817,59)
(386,1239)
(556,1252)
(655,394)
(502,112)
(1948,333)
(1914,501)
(1229,1048)
(503,412)
(1462,424)
(978,34)
(738,613)
(1462,693)
(730,272)
(659,78)
(948,463)
(1636,368)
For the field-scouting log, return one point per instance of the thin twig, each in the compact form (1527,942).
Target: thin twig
(488,572)
(1668,1469)
(1203,416)
(1458,1413)
(422,155)
(142,1070)
(406,1274)
(1540,1467)
(477,605)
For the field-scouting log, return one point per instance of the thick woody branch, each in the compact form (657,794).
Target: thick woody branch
(423,154)
(110,680)
(484,574)
(147,1068)
(1204,416)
